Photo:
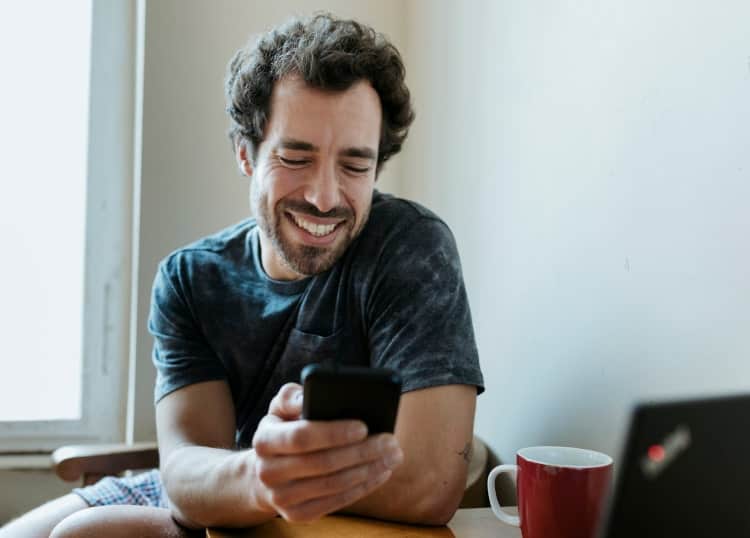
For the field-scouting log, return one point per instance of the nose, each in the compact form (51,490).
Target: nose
(322,191)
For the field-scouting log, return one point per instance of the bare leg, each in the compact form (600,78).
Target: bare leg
(39,522)
(123,521)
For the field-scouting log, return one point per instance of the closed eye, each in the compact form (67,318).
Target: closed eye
(357,169)
(293,162)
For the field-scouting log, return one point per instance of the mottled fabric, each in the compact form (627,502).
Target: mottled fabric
(143,489)
(395,299)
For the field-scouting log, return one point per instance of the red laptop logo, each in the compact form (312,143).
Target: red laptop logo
(659,456)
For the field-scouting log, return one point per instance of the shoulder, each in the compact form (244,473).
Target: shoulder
(387,208)
(397,223)
(405,244)
(227,247)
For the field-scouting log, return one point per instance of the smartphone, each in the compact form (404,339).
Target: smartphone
(350,392)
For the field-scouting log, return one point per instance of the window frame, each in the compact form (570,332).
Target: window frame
(108,249)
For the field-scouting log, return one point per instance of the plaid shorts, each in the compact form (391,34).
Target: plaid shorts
(143,489)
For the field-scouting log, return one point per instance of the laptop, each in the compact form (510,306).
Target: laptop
(685,472)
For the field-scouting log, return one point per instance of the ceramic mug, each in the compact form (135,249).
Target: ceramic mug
(561,491)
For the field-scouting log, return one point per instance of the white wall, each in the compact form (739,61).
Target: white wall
(592,159)
(189,183)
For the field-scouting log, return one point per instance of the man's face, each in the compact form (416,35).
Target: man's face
(311,185)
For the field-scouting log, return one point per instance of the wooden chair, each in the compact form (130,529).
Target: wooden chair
(475,493)
(89,463)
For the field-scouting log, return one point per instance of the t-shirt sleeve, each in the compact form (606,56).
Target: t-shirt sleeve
(419,317)
(181,354)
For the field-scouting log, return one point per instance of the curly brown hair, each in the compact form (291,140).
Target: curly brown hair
(327,53)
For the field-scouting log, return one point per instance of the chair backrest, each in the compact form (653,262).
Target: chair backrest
(475,493)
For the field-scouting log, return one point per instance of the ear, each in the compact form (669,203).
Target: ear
(243,158)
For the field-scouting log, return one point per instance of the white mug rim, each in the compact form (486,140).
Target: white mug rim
(606,460)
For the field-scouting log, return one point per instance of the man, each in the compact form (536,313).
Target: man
(328,270)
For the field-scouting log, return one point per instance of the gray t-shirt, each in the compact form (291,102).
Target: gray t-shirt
(395,299)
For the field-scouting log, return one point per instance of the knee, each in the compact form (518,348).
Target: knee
(122,521)
(39,522)
(81,524)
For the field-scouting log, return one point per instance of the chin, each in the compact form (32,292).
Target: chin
(308,261)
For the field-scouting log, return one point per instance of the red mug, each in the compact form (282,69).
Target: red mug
(561,491)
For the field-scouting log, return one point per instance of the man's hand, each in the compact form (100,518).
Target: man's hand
(308,469)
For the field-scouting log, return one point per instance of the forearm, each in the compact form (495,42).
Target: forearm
(214,487)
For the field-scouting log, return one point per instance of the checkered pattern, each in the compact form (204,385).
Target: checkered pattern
(144,489)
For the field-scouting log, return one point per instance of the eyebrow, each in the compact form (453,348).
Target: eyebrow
(291,143)
(363,153)
(300,145)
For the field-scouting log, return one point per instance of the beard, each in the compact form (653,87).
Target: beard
(303,259)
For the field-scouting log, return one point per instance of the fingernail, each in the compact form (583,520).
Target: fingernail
(388,443)
(393,458)
(298,397)
(357,431)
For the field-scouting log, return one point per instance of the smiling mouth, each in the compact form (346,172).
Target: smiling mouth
(316,230)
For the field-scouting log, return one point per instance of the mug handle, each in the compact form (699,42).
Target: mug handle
(501,514)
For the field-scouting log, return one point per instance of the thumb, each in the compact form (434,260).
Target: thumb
(287,404)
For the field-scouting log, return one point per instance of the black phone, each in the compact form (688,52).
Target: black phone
(351,392)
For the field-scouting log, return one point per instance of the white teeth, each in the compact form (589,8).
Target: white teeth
(318,230)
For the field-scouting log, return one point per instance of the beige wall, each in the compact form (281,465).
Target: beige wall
(592,160)
(189,183)
(22,490)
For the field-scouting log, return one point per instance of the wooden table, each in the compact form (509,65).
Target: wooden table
(467,523)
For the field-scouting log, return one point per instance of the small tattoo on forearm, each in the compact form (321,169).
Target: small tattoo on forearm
(466,452)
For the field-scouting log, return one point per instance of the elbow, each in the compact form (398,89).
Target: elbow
(438,512)
(178,508)
(424,498)
(184,521)
(437,505)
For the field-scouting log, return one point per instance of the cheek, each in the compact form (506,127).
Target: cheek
(259,195)
(360,198)
(283,184)
(273,187)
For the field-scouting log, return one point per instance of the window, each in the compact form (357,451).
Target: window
(65,213)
